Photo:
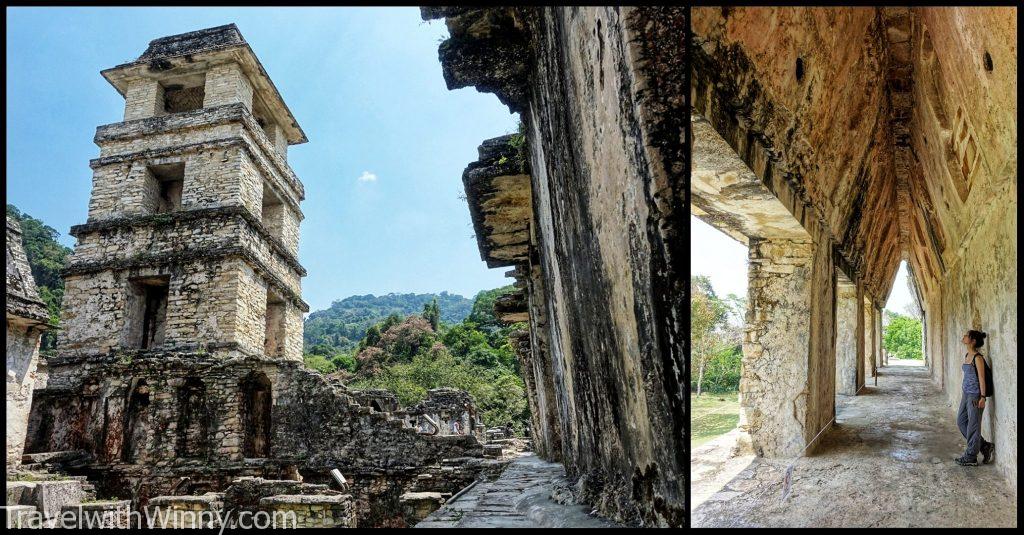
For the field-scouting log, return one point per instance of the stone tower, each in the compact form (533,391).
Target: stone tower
(192,238)
(179,365)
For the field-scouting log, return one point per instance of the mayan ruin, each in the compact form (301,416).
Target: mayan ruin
(834,144)
(178,372)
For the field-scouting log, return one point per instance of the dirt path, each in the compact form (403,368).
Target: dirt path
(887,462)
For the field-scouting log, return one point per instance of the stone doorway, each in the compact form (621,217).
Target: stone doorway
(193,419)
(137,421)
(256,407)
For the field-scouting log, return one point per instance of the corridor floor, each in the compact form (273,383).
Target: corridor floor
(887,462)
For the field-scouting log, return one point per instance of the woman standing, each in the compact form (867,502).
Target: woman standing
(972,402)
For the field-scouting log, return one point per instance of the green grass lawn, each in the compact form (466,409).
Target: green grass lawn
(712,414)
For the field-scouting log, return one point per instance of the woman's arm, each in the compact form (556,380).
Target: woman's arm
(979,363)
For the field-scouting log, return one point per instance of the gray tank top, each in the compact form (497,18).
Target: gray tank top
(971,385)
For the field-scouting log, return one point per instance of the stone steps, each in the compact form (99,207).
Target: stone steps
(519,497)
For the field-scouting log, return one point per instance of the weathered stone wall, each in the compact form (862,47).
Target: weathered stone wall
(451,409)
(604,115)
(964,239)
(146,420)
(22,357)
(26,319)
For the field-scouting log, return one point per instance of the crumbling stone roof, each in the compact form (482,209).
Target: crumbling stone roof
(500,204)
(189,49)
(184,44)
(22,297)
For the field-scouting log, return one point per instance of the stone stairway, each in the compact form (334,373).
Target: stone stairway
(521,497)
(38,491)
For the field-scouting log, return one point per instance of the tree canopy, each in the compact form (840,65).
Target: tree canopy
(345,323)
(412,353)
(901,336)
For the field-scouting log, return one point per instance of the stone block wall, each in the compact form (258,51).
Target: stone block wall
(227,84)
(213,302)
(773,384)
(311,511)
(604,114)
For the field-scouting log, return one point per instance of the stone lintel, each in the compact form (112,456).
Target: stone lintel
(730,197)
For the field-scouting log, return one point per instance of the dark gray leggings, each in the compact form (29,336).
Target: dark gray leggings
(968,419)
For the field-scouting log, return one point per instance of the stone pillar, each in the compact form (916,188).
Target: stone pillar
(143,98)
(22,356)
(876,314)
(867,311)
(26,318)
(848,377)
(821,352)
(773,384)
(227,84)
(861,346)
(280,141)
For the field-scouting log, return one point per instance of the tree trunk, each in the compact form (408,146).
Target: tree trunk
(700,375)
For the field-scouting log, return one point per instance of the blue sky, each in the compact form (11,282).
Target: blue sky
(364,84)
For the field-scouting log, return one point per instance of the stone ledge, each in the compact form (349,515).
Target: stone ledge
(203,117)
(186,351)
(306,499)
(219,143)
(166,259)
(210,498)
(498,189)
(171,218)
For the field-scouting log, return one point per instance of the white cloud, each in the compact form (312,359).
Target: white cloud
(367,177)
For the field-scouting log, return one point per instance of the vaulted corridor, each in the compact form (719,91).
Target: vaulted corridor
(887,461)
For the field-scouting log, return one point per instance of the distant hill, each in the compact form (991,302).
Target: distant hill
(345,322)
